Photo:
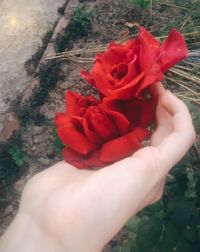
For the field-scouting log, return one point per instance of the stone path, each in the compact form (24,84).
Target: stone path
(22,25)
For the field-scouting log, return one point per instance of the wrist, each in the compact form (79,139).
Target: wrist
(25,235)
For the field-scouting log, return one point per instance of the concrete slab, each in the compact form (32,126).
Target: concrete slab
(22,25)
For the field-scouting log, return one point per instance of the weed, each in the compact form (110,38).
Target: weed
(9,170)
(81,23)
(57,144)
(143,4)
(172,224)
(78,27)
(20,157)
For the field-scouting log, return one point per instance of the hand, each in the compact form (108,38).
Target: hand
(65,209)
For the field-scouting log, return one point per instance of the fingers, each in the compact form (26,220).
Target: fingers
(163,119)
(162,115)
(164,125)
(178,110)
(175,146)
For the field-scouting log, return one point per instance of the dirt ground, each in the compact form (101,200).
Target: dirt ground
(109,23)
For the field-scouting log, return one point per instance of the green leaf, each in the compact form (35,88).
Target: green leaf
(190,234)
(144,4)
(181,167)
(17,155)
(191,193)
(117,249)
(182,182)
(182,212)
(126,246)
(133,223)
(170,237)
(19,162)
(13,150)
(185,246)
(148,234)
(57,144)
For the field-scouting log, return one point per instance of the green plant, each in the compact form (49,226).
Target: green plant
(57,144)
(143,4)
(9,170)
(19,156)
(81,22)
(79,26)
(172,224)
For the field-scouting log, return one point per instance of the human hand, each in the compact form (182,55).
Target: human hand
(65,209)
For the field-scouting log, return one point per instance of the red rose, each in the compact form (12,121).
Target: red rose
(98,133)
(125,70)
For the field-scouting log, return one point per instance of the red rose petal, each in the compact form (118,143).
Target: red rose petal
(72,100)
(126,92)
(75,140)
(133,45)
(119,71)
(121,122)
(81,161)
(115,54)
(112,107)
(148,49)
(131,110)
(92,136)
(123,146)
(101,82)
(118,52)
(104,127)
(60,119)
(173,50)
(154,75)
(88,77)
(147,113)
(140,112)
(133,70)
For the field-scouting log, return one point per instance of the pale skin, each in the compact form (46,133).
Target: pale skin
(64,209)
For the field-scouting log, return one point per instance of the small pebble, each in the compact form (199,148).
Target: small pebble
(44,161)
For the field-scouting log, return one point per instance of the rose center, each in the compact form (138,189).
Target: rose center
(119,71)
